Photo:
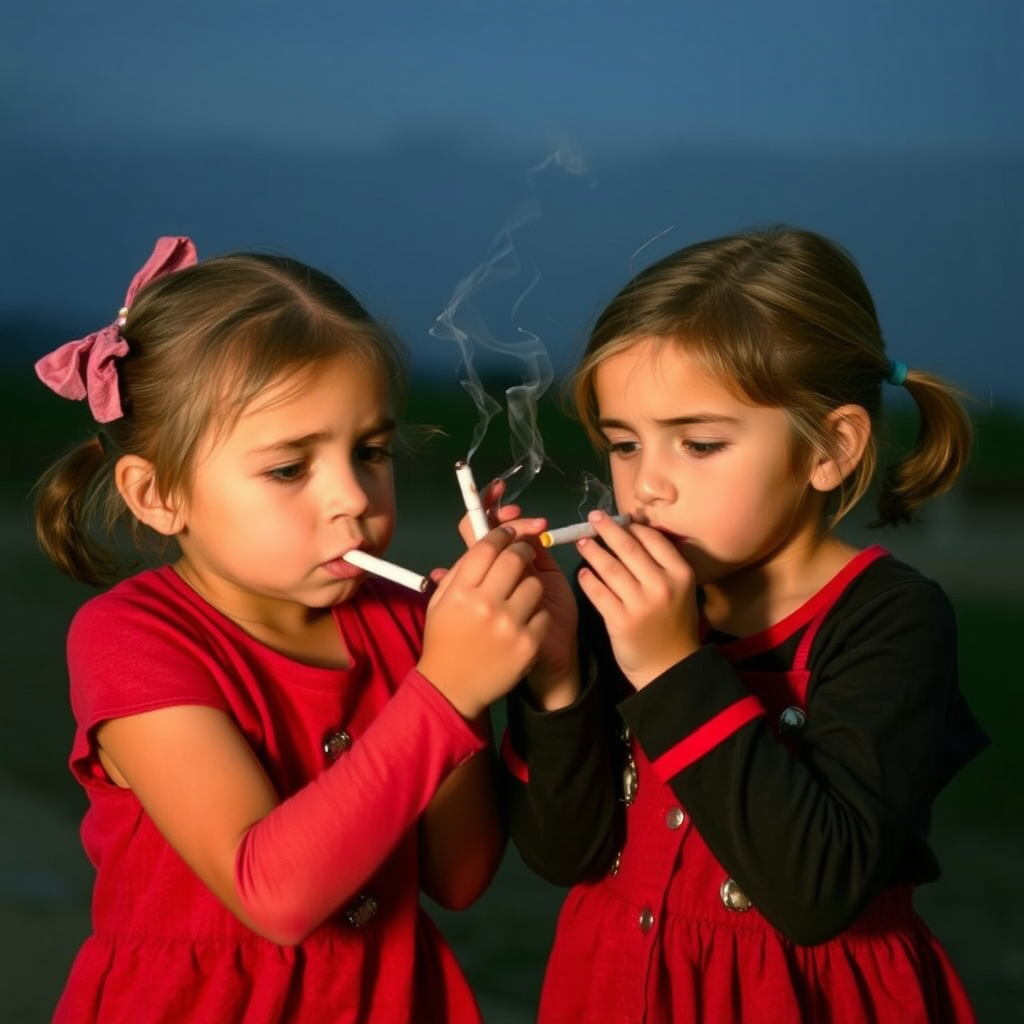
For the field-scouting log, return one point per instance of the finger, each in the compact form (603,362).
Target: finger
(663,549)
(492,493)
(613,572)
(606,602)
(490,498)
(505,513)
(527,527)
(474,565)
(524,599)
(629,545)
(511,566)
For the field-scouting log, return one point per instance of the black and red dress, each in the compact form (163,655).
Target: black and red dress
(745,833)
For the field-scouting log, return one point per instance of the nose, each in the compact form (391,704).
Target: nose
(345,492)
(653,483)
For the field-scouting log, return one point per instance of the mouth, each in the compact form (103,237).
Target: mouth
(678,540)
(340,569)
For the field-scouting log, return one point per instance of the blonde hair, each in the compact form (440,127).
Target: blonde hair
(782,317)
(203,342)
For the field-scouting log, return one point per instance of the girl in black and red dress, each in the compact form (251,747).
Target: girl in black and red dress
(737,771)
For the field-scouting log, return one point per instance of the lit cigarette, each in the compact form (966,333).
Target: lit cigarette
(567,534)
(471,499)
(388,570)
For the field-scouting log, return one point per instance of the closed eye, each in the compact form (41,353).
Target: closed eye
(374,453)
(702,449)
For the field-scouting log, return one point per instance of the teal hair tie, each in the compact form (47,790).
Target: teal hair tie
(897,373)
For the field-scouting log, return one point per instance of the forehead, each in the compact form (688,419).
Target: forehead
(653,373)
(354,381)
(339,395)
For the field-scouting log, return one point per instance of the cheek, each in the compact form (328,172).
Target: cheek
(622,484)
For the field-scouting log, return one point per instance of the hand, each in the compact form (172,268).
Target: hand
(485,623)
(554,680)
(644,590)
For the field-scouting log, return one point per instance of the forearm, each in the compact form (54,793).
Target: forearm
(317,848)
(812,835)
(462,835)
(560,787)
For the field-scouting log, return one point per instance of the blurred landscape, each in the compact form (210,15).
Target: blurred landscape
(971,541)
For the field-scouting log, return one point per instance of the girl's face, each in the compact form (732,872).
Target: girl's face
(304,476)
(691,459)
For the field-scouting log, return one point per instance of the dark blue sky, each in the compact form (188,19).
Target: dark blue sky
(389,141)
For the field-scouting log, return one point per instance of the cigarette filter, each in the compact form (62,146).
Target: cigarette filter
(577,531)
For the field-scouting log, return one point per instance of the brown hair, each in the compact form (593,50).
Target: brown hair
(783,317)
(203,342)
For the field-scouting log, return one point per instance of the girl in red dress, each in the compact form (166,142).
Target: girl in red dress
(737,767)
(279,753)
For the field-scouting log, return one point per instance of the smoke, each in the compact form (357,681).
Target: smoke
(461,322)
(597,495)
(566,156)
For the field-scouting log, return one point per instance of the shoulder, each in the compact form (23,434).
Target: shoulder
(893,588)
(893,623)
(142,644)
(153,608)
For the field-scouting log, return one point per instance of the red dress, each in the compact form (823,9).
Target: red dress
(163,947)
(666,936)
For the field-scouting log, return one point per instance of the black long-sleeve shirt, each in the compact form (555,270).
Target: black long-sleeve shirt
(810,837)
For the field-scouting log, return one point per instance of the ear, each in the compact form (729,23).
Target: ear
(135,482)
(849,430)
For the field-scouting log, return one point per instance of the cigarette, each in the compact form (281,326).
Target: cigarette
(567,534)
(388,570)
(471,499)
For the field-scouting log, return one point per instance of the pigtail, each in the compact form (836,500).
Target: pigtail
(68,497)
(940,451)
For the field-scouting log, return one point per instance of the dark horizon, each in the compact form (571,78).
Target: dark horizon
(935,234)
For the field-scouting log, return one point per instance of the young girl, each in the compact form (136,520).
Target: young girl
(740,777)
(279,753)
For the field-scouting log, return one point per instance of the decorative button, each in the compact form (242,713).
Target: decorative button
(675,817)
(336,743)
(792,722)
(733,897)
(630,781)
(646,920)
(361,912)
(617,863)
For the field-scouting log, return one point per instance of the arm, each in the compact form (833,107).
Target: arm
(560,787)
(813,838)
(284,867)
(463,838)
(566,818)
(561,772)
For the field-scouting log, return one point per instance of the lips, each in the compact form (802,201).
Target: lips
(340,569)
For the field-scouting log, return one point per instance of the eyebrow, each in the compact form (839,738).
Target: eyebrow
(385,426)
(672,421)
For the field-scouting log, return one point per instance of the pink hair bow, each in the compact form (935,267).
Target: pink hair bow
(86,368)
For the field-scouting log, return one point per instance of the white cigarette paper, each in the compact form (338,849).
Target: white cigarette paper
(568,534)
(471,499)
(387,570)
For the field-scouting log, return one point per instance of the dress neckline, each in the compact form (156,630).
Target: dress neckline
(777,633)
